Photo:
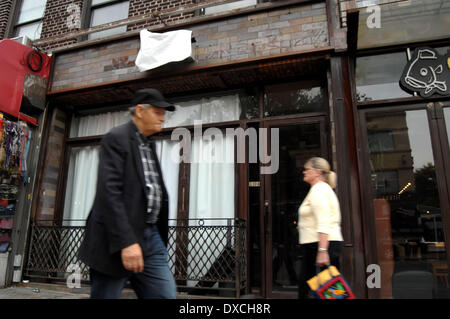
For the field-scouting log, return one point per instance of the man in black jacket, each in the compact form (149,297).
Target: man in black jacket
(127,228)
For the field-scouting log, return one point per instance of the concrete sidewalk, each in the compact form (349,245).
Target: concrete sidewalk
(58,291)
(42,291)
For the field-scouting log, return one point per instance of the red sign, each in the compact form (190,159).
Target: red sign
(16,61)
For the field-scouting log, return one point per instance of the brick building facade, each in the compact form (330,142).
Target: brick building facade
(5,10)
(268,56)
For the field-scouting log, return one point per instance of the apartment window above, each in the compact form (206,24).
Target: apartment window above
(228,7)
(29,18)
(106,11)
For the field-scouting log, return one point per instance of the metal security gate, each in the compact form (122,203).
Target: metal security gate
(204,254)
(207,254)
(53,250)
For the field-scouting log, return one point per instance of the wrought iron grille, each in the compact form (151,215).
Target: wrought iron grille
(345,5)
(53,250)
(202,252)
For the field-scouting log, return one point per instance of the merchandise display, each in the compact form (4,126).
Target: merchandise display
(14,147)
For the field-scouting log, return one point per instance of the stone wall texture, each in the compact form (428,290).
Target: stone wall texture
(296,29)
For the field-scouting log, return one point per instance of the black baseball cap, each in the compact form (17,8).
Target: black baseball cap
(153,97)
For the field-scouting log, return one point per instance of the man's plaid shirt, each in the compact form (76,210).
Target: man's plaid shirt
(152,178)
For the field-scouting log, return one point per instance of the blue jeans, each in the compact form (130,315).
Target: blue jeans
(155,282)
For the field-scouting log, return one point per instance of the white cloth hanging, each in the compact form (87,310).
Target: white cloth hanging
(161,48)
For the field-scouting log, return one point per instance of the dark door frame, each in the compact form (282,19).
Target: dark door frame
(266,201)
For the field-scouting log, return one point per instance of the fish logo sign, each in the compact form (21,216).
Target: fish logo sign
(427,73)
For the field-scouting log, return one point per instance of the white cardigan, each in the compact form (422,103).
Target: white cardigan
(319,213)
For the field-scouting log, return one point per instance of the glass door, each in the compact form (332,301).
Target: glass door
(409,200)
(284,190)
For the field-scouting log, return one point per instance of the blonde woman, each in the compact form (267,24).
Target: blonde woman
(319,222)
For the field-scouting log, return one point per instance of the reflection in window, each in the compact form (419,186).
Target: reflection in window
(409,232)
(294,98)
(385,182)
(405,22)
(443,50)
(377,76)
(381,141)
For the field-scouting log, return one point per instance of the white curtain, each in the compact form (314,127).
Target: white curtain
(83,165)
(81,183)
(208,110)
(211,195)
(212,178)
(170,171)
(98,124)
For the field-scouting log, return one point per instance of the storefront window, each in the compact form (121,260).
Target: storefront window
(443,50)
(377,76)
(211,196)
(81,185)
(206,110)
(83,164)
(84,161)
(249,106)
(409,230)
(284,99)
(98,124)
(206,167)
(405,22)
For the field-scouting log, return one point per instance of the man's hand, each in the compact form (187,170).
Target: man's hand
(132,258)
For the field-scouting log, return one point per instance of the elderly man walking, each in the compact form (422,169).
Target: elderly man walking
(126,232)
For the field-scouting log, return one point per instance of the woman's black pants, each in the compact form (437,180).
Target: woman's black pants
(308,265)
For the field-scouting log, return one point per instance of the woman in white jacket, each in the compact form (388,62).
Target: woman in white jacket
(319,222)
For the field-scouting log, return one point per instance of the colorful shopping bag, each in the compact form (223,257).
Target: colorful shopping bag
(330,284)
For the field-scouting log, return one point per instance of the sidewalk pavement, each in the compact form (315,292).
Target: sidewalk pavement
(42,291)
(58,291)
